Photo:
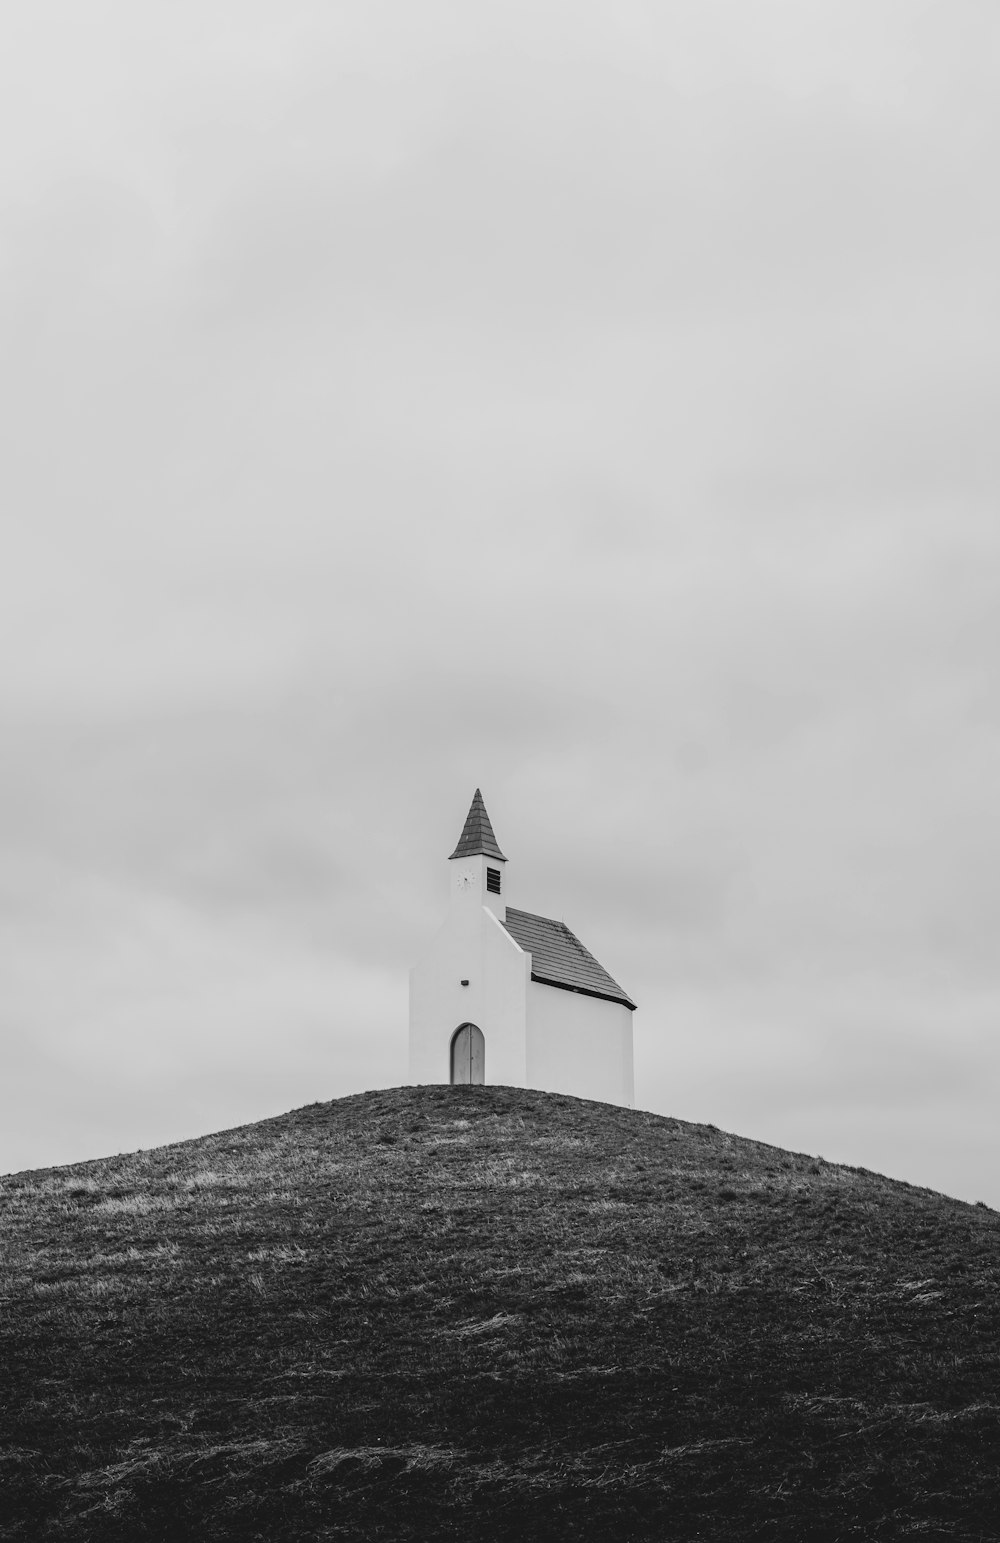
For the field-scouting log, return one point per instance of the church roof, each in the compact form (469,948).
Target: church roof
(558,958)
(477,838)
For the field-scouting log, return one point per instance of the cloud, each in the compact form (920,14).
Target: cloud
(594,405)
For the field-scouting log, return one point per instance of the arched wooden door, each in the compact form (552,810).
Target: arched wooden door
(468,1054)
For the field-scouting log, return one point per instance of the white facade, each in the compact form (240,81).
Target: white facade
(566,1039)
(472,946)
(579,1044)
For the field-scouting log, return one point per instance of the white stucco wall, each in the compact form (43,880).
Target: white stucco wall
(472,946)
(579,1045)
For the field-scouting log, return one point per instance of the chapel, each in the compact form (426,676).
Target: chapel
(507,997)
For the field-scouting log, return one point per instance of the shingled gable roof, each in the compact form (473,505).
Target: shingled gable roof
(477,838)
(558,958)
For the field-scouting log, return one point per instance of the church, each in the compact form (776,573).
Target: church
(505,996)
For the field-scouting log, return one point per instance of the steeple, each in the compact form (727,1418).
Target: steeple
(477,838)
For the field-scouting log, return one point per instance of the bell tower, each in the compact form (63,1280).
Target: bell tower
(478,867)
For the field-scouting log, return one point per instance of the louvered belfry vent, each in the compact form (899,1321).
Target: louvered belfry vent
(493,880)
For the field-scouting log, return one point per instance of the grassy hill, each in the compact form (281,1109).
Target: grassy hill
(486,1313)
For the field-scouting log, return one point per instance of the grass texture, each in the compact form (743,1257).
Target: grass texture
(481,1313)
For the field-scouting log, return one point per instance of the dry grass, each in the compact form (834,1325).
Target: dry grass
(487,1313)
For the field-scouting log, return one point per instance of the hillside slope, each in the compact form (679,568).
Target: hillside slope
(484,1312)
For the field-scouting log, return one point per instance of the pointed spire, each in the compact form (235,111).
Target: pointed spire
(477,838)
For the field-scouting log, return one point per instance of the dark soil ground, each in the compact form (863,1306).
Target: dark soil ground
(485,1313)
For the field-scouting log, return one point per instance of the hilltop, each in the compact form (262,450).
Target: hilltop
(481,1313)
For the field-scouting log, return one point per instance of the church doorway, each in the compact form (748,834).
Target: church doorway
(468,1054)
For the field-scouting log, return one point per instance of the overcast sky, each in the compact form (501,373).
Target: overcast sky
(596,402)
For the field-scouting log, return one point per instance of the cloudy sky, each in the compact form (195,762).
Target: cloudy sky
(593,401)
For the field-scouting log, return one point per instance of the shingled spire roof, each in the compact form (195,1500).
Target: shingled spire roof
(477,838)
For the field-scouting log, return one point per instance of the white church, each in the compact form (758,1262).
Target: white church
(504,996)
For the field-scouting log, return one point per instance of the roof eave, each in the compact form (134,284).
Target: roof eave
(585,991)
